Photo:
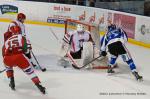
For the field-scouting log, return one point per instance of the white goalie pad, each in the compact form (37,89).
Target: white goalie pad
(64,49)
(87,53)
(63,60)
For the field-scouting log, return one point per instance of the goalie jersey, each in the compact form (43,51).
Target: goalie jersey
(76,39)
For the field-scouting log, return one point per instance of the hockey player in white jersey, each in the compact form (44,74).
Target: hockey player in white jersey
(20,23)
(115,40)
(80,43)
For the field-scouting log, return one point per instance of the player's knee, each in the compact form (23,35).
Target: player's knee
(9,72)
(126,57)
(29,70)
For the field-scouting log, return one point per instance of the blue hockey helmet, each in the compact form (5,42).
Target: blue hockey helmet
(111,27)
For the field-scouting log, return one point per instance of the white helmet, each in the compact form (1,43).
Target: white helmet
(80,28)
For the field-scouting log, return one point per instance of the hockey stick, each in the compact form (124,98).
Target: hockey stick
(53,33)
(42,69)
(74,65)
(77,67)
(1,71)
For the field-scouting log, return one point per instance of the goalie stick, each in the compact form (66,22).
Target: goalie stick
(77,67)
(74,65)
(42,69)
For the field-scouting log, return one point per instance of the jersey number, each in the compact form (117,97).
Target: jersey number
(13,42)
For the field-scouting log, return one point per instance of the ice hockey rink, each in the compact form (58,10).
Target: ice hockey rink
(68,83)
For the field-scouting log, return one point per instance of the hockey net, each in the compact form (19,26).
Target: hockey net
(70,25)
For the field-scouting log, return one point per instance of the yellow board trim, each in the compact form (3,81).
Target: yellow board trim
(147,45)
(132,41)
(35,23)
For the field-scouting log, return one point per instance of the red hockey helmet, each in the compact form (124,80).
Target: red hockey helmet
(21,16)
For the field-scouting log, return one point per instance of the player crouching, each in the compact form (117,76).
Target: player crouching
(78,44)
(13,55)
(115,40)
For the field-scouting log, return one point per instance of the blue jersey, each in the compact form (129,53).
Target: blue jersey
(115,35)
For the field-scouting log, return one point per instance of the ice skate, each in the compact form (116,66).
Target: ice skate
(110,70)
(12,83)
(41,88)
(137,76)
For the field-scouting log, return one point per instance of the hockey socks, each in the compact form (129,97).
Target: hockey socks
(131,64)
(38,84)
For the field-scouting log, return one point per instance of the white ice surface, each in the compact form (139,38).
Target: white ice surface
(67,83)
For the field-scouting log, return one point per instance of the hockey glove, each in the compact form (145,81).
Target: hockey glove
(103,53)
(29,46)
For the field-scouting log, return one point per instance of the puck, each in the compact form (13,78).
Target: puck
(44,69)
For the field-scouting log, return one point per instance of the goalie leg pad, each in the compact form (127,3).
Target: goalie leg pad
(87,53)
(64,49)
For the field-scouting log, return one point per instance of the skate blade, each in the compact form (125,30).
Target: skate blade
(110,74)
(140,80)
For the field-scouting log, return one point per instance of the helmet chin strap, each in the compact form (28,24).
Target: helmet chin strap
(21,20)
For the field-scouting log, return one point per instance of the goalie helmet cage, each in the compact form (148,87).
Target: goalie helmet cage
(70,25)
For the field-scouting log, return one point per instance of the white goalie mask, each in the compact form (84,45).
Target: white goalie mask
(80,28)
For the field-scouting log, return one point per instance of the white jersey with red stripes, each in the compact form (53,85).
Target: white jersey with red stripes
(76,39)
(22,27)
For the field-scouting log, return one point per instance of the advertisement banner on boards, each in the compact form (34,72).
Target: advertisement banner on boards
(143,29)
(60,12)
(8,10)
(126,22)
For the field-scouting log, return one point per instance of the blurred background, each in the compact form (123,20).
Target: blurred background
(140,7)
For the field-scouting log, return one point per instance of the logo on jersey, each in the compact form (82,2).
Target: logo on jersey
(8,9)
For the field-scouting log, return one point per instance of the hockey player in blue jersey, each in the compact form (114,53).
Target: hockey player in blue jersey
(115,40)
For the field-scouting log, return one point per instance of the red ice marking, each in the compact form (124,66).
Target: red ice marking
(99,67)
